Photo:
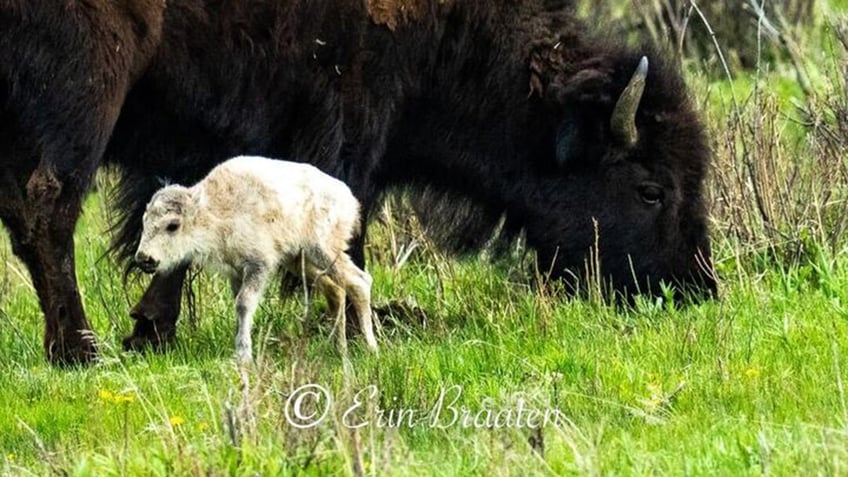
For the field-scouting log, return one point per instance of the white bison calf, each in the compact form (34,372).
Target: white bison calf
(251,216)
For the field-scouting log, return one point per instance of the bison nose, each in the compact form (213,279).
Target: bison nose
(147,263)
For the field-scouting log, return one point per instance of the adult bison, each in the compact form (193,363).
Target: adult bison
(511,105)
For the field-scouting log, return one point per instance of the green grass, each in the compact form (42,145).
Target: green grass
(751,384)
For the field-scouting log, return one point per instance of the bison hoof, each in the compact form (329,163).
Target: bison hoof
(72,351)
(150,335)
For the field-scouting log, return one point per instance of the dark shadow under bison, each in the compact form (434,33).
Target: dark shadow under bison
(512,105)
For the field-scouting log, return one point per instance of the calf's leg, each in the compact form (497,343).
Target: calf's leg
(356,251)
(343,275)
(357,285)
(335,296)
(253,284)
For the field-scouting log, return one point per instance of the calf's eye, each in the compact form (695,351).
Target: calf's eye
(173,227)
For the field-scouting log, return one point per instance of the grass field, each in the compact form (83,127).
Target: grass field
(753,383)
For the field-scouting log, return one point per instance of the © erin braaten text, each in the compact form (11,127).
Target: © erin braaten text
(311,404)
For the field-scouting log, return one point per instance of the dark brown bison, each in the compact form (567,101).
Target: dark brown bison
(512,106)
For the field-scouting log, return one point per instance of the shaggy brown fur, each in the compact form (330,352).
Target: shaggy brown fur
(505,104)
(398,12)
(65,68)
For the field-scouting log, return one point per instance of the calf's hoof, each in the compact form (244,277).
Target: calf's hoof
(371,344)
(155,335)
(244,357)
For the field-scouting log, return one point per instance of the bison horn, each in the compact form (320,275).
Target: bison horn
(623,122)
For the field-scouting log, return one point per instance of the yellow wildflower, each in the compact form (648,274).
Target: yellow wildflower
(752,373)
(176,421)
(10,457)
(202,426)
(123,398)
(120,398)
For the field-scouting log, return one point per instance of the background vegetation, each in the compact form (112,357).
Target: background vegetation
(750,384)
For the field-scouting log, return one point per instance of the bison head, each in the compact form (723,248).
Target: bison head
(166,239)
(622,198)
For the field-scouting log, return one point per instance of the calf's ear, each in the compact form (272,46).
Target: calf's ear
(196,199)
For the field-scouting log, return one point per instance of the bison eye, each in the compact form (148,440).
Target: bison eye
(651,194)
(173,227)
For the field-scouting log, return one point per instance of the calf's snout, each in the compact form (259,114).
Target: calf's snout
(147,263)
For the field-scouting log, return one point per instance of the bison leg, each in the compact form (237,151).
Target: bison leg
(156,313)
(41,228)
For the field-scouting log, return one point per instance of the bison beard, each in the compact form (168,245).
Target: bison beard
(508,105)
